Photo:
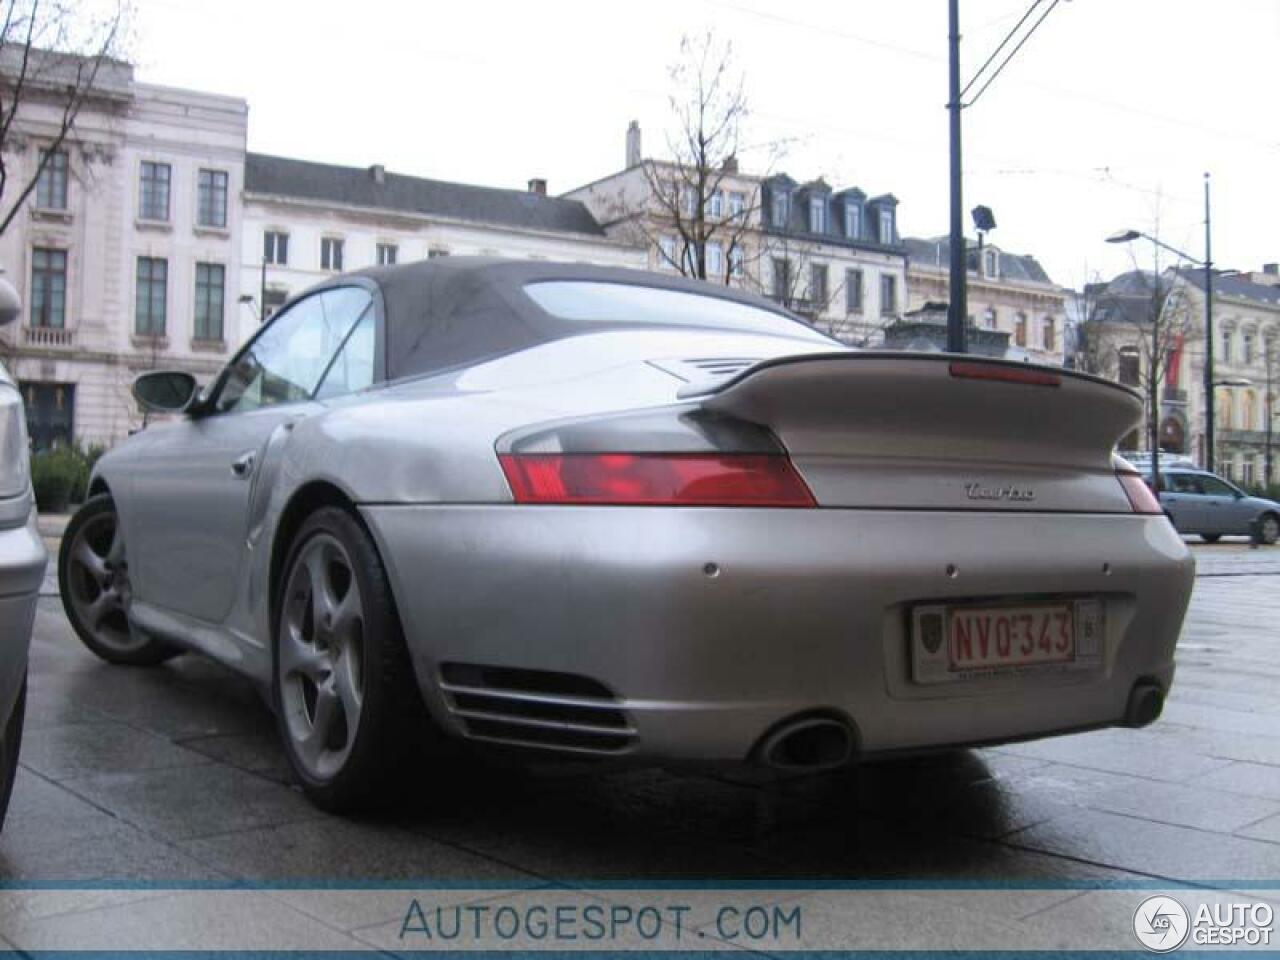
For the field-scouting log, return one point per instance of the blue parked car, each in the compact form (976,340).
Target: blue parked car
(1203,503)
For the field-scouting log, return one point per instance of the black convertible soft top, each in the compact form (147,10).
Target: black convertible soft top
(453,311)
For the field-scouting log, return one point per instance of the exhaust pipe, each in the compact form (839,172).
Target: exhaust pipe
(815,743)
(1146,700)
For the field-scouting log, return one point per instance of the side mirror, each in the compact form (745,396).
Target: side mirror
(10,302)
(166,391)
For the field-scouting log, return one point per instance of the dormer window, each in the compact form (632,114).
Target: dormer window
(778,207)
(991,263)
(817,215)
(853,220)
(886,227)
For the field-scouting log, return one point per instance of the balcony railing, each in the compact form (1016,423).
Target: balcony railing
(48,336)
(1254,437)
(1174,395)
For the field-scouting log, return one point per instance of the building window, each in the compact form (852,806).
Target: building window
(48,288)
(817,215)
(736,268)
(330,253)
(990,318)
(50,414)
(1247,404)
(1130,372)
(781,279)
(1020,330)
(153,287)
(1226,347)
(275,247)
(667,252)
(715,206)
(273,300)
(1246,471)
(818,286)
(153,193)
(688,201)
(210,287)
(1224,410)
(51,186)
(437,252)
(211,198)
(991,263)
(1050,334)
(387,254)
(853,291)
(888,294)
(715,261)
(737,203)
(1246,347)
(886,227)
(853,220)
(778,209)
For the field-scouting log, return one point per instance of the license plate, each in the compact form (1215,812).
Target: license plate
(963,641)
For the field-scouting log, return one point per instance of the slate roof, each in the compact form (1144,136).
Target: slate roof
(1126,298)
(1233,286)
(358,187)
(1013,266)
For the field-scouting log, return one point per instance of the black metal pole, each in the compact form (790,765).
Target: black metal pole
(958,311)
(1208,334)
(262,293)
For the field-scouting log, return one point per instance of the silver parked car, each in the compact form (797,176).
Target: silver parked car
(1203,503)
(612,514)
(22,563)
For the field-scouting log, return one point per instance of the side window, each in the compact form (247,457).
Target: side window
(352,368)
(1182,483)
(285,362)
(1214,487)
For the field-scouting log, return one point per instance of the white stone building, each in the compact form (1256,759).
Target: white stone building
(1008,293)
(306,221)
(833,256)
(125,254)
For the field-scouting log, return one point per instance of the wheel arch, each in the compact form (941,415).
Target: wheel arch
(305,501)
(97,485)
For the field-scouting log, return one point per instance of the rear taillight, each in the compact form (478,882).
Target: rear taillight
(1140,495)
(652,479)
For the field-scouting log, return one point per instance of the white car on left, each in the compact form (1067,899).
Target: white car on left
(22,562)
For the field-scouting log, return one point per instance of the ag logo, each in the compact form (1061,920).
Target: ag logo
(1161,924)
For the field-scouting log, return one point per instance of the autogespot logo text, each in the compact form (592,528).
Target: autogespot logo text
(1161,924)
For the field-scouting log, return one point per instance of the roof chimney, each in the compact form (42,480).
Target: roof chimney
(730,164)
(539,186)
(633,144)
(378,173)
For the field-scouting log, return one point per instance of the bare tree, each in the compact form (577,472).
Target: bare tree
(1136,332)
(1271,364)
(54,55)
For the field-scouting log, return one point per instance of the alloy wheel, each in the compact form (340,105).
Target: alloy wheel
(321,656)
(99,588)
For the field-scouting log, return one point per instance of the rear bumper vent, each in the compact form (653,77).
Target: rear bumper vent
(536,708)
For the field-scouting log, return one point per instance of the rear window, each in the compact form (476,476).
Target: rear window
(631,305)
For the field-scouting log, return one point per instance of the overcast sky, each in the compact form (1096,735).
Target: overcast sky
(1107,118)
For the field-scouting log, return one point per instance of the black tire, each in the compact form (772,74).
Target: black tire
(96,526)
(1270,527)
(350,770)
(10,743)
(1210,537)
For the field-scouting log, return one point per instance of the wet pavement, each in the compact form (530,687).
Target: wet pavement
(172,775)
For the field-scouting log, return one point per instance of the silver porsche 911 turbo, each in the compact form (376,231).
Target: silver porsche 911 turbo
(613,514)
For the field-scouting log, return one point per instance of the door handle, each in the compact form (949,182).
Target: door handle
(242,465)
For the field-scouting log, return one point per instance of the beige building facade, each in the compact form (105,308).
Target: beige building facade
(1008,293)
(124,254)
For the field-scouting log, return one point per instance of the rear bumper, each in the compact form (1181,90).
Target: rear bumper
(711,626)
(22,563)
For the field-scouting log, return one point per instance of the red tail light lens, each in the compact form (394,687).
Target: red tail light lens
(651,479)
(1141,497)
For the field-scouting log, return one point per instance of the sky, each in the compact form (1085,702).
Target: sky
(1106,119)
